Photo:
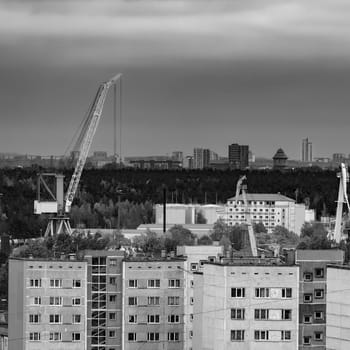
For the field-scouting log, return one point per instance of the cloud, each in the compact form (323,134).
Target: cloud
(149,31)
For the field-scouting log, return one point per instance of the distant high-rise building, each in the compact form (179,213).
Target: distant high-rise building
(188,162)
(201,158)
(238,156)
(306,151)
(338,158)
(178,156)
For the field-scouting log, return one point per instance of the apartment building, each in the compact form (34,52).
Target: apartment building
(104,299)
(47,304)
(195,257)
(270,209)
(154,304)
(246,304)
(313,295)
(338,307)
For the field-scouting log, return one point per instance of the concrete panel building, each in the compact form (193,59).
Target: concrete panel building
(47,304)
(338,308)
(154,304)
(252,305)
(313,295)
(195,257)
(104,299)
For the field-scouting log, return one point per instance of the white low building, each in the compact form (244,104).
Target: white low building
(270,209)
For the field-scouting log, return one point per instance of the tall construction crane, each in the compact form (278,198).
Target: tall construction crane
(343,176)
(241,187)
(61,207)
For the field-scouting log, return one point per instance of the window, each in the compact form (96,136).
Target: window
(34,318)
(56,318)
(173,318)
(319,293)
(35,283)
(112,281)
(76,319)
(113,298)
(286,314)
(286,293)
(112,334)
(261,335)
(191,317)
(191,301)
(153,300)
(307,298)
(55,336)
(153,336)
(173,300)
(286,335)
(75,336)
(318,336)
(131,336)
(153,318)
(261,314)
(132,318)
(319,273)
(37,301)
(237,314)
(34,336)
(262,292)
(112,316)
(194,266)
(55,283)
(191,283)
(318,315)
(191,334)
(173,336)
(307,276)
(76,301)
(76,283)
(132,301)
(307,340)
(237,335)
(174,283)
(237,292)
(55,300)
(112,262)
(153,284)
(307,319)
(132,283)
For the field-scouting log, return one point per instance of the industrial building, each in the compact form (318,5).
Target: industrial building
(47,304)
(313,295)
(246,304)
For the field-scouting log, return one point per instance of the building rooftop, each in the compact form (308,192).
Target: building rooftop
(341,267)
(276,197)
(168,226)
(249,261)
(280,154)
(335,255)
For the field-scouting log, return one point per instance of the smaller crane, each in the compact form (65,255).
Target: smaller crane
(343,176)
(241,187)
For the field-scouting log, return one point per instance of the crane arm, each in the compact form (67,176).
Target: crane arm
(87,136)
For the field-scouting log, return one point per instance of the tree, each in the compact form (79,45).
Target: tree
(200,219)
(259,227)
(205,240)
(283,236)
(314,236)
(150,243)
(220,228)
(178,235)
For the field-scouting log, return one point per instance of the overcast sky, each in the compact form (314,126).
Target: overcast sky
(196,73)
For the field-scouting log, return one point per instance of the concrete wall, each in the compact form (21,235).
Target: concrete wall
(338,308)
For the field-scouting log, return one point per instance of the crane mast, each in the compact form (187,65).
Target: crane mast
(240,187)
(93,119)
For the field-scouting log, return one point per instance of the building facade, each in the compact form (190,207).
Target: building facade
(338,307)
(270,209)
(246,306)
(195,257)
(104,299)
(313,295)
(306,151)
(47,304)
(154,304)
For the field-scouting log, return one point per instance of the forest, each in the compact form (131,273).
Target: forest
(131,193)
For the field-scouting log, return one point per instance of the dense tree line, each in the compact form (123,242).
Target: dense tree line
(105,194)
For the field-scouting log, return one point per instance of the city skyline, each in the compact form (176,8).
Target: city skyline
(265,73)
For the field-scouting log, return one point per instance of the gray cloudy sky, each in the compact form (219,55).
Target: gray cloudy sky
(196,73)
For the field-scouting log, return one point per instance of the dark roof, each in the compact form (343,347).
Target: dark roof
(326,255)
(264,197)
(280,154)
